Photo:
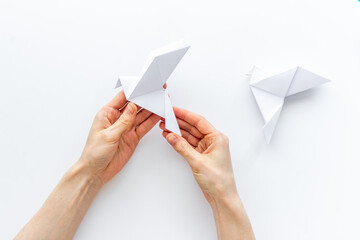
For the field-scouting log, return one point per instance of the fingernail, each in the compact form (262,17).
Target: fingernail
(129,109)
(172,139)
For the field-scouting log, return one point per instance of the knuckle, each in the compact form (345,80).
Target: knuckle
(226,138)
(182,146)
(201,117)
(124,120)
(222,138)
(200,120)
(218,135)
(100,114)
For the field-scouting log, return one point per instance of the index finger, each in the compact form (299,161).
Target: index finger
(199,122)
(118,101)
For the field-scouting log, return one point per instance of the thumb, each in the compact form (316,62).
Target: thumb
(125,121)
(183,148)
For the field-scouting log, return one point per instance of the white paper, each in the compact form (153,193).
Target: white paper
(270,92)
(146,90)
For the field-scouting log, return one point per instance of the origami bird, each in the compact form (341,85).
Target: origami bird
(271,91)
(146,90)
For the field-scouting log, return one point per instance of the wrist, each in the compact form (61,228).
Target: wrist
(81,173)
(231,219)
(227,199)
(225,194)
(225,189)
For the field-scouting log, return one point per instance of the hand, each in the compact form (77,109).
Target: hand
(114,135)
(207,152)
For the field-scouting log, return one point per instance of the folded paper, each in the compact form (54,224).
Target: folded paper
(146,90)
(271,91)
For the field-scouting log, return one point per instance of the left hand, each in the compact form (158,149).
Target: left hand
(114,135)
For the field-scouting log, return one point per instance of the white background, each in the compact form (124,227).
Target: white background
(59,61)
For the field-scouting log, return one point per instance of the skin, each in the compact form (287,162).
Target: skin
(207,152)
(116,131)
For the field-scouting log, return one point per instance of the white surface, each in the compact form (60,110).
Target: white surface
(147,89)
(58,63)
(271,91)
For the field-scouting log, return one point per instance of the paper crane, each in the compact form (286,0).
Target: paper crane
(147,90)
(270,92)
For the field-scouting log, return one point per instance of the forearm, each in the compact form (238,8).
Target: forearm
(232,223)
(62,212)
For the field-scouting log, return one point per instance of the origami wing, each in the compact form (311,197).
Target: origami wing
(270,92)
(147,89)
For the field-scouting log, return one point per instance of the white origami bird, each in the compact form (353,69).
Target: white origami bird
(271,91)
(147,90)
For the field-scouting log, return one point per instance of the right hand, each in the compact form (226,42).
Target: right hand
(207,152)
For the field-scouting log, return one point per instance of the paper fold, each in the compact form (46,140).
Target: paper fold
(270,92)
(146,90)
